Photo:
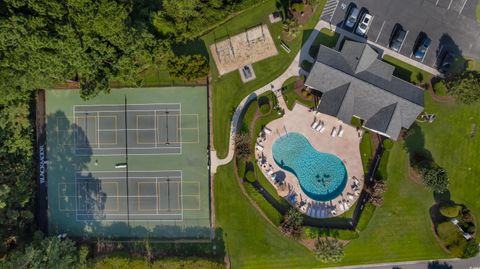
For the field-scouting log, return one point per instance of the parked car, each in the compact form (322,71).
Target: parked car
(352,17)
(364,23)
(398,35)
(446,62)
(422,46)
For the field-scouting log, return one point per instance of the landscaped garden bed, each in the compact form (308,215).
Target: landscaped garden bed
(293,90)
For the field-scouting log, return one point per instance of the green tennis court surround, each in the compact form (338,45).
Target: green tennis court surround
(162,191)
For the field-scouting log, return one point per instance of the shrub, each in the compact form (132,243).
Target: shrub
(465,87)
(298,7)
(448,233)
(250,175)
(435,178)
(292,223)
(329,250)
(440,89)
(387,144)
(309,232)
(265,108)
(188,67)
(450,210)
(470,250)
(242,146)
(376,193)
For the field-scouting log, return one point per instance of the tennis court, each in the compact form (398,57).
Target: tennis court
(132,163)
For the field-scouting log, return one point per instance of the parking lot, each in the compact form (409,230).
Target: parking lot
(450,24)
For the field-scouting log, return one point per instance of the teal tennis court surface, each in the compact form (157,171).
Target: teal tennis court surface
(129,164)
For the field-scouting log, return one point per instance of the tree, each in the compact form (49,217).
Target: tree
(471,249)
(50,252)
(242,146)
(329,250)
(188,67)
(92,42)
(292,223)
(465,87)
(435,178)
(17,163)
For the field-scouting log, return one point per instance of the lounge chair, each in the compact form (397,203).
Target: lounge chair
(315,124)
(333,133)
(323,129)
(319,127)
(355,181)
(350,197)
(266,130)
(340,134)
(259,147)
(334,212)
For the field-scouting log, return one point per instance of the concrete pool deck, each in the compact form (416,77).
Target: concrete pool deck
(346,148)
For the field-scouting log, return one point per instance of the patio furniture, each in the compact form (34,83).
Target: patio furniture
(333,212)
(333,133)
(259,147)
(340,134)
(355,181)
(315,124)
(350,197)
(266,130)
(319,127)
(340,129)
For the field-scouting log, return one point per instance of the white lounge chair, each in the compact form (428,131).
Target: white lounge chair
(319,127)
(315,124)
(323,129)
(350,197)
(340,134)
(333,133)
(333,212)
(266,130)
(355,181)
(259,147)
(340,128)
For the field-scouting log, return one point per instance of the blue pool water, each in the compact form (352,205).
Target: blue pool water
(322,176)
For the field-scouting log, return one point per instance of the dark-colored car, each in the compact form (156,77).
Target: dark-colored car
(352,17)
(446,62)
(422,46)
(398,35)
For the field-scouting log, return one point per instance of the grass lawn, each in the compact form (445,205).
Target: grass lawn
(367,149)
(453,140)
(229,90)
(325,37)
(407,72)
(400,229)
(253,243)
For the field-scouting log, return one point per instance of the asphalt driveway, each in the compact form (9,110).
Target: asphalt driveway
(450,24)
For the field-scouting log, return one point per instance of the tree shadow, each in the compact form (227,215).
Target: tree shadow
(448,46)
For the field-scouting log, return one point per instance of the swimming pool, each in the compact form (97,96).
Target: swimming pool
(322,176)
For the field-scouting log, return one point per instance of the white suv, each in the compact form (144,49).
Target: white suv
(364,24)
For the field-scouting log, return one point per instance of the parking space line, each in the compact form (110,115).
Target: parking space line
(401,46)
(425,55)
(450,4)
(461,10)
(379,33)
(436,4)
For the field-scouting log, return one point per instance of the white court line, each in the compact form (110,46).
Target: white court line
(156,194)
(383,24)
(122,105)
(123,111)
(146,148)
(98,127)
(132,214)
(436,3)
(155,125)
(401,46)
(464,3)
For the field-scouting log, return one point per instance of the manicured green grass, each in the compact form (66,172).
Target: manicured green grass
(453,140)
(325,37)
(251,242)
(399,230)
(366,149)
(229,90)
(291,96)
(407,72)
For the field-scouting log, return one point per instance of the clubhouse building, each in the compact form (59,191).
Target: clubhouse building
(355,82)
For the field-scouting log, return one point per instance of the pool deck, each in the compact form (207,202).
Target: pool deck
(346,147)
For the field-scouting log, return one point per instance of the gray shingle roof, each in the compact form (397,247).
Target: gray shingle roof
(356,82)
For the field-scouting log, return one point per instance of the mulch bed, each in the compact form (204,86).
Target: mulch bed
(414,176)
(307,13)
(440,99)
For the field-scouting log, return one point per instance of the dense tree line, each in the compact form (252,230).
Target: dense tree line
(92,42)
